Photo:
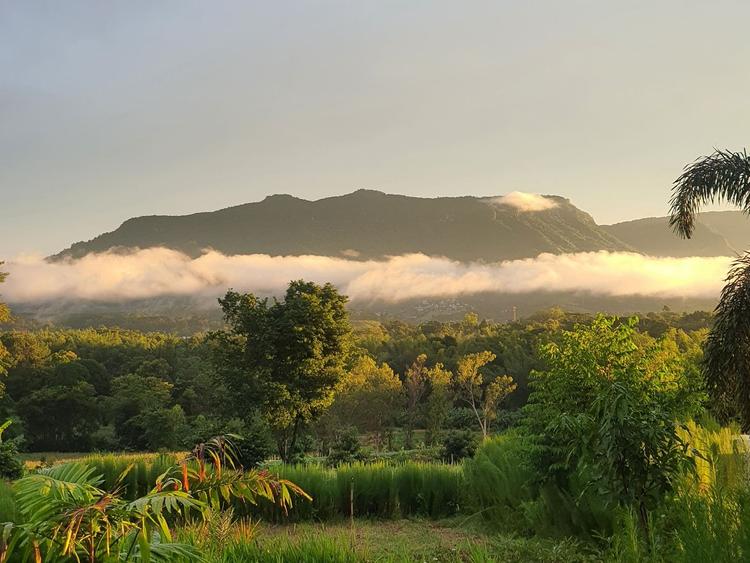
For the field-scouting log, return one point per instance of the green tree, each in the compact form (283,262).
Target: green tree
(722,176)
(438,403)
(483,400)
(368,397)
(415,387)
(285,357)
(607,410)
(4,318)
(139,407)
(60,416)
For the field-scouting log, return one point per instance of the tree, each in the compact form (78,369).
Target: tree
(4,318)
(140,409)
(285,357)
(607,409)
(58,405)
(722,176)
(439,401)
(369,397)
(483,400)
(415,386)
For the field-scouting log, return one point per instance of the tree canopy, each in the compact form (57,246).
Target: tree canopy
(285,357)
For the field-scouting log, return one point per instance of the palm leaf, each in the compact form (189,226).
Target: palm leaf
(722,176)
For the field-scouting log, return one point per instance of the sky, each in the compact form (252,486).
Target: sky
(110,110)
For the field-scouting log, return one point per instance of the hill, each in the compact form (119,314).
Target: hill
(717,233)
(654,237)
(368,224)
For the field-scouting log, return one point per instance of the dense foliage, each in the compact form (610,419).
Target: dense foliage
(606,413)
(108,388)
(284,359)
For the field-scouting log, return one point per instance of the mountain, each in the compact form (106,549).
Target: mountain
(734,226)
(717,233)
(654,237)
(369,224)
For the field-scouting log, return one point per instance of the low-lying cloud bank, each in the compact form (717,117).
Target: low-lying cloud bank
(162,272)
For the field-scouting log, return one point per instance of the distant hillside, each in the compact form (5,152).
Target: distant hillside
(654,237)
(368,224)
(734,226)
(717,233)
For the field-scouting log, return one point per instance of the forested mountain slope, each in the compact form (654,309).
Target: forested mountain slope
(368,224)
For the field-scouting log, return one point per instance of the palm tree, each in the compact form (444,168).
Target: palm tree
(723,176)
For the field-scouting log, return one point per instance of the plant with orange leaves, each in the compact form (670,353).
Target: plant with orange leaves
(63,514)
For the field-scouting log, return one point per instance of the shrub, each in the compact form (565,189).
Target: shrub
(458,445)
(499,480)
(254,445)
(461,418)
(604,415)
(11,466)
(346,448)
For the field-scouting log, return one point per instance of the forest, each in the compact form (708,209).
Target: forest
(105,389)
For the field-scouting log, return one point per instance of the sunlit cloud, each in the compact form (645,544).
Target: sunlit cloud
(159,272)
(522,201)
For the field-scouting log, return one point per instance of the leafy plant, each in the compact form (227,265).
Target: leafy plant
(605,415)
(63,512)
(11,466)
(459,444)
(346,448)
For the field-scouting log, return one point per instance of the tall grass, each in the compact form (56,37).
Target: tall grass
(708,516)
(306,550)
(367,489)
(381,490)
(719,454)
(499,481)
(140,479)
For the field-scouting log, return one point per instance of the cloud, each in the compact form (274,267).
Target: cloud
(162,272)
(525,202)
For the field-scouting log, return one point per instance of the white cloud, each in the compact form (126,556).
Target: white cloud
(525,202)
(160,272)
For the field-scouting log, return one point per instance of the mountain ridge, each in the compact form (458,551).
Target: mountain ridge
(370,224)
(366,224)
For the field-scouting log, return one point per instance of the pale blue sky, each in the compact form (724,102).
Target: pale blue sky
(115,109)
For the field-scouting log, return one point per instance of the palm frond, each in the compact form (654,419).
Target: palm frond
(71,485)
(722,176)
(727,351)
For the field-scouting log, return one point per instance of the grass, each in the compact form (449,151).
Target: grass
(382,541)
(378,490)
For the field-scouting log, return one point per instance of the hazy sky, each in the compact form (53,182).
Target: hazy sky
(115,109)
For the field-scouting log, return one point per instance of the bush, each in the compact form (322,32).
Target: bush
(346,448)
(461,418)
(104,438)
(499,481)
(458,445)
(11,466)
(604,415)
(254,445)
